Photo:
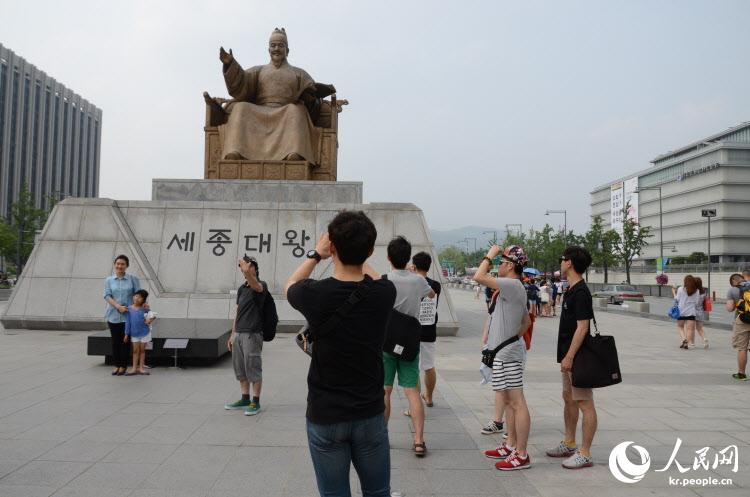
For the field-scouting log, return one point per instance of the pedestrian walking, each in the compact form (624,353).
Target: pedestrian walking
(532,294)
(545,294)
(119,289)
(246,340)
(428,341)
(510,320)
(575,315)
(410,290)
(688,299)
(737,297)
(555,293)
(701,311)
(345,403)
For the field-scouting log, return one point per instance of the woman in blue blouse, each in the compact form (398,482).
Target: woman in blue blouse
(118,293)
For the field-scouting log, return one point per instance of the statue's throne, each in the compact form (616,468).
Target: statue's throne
(322,168)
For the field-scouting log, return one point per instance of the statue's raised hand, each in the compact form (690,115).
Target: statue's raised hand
(225,57)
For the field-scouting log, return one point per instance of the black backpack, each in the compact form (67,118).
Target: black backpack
(269,315)
(402,334)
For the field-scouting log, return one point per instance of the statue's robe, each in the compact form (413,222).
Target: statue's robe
(268,120)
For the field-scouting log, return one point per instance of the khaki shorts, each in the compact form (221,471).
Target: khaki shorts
(575,392)
(740,335)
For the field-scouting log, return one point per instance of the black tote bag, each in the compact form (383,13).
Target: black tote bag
(596,364)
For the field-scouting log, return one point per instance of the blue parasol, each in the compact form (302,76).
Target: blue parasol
(531,270)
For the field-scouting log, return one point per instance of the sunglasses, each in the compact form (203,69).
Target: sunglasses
(563,259)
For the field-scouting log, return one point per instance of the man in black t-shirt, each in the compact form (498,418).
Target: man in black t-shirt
(422,262)
(345,403)
(246,341)
(577,311)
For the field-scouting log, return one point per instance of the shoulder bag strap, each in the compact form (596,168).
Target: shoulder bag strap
(505,344)
(355,297)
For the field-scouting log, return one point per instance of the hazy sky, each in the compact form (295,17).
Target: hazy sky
(481,113)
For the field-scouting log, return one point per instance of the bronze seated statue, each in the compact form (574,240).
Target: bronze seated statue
(278,125)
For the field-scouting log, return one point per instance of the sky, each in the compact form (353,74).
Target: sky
(479,112)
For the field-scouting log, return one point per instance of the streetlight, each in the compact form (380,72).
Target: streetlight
(564,212)
(494,235)
(519,226)
(467,242)
(709,213)
(661,225)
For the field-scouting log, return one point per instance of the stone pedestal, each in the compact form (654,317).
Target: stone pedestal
(208,190)
(186,252)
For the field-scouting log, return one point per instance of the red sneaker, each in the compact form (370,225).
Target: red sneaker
(501,452)
(514,462)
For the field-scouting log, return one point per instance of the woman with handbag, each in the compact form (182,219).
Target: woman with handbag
(688,299)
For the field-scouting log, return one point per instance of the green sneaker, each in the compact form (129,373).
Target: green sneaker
(739,376)
(252,409)
(240,404)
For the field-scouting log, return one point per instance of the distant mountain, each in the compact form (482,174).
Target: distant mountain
(452,237)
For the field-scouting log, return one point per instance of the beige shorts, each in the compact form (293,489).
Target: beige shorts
(575,392)
(740,335)
(426,355)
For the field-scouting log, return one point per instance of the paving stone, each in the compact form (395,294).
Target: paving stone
(192,467)
(78,451)
(146,453)
(9,465)
(105,476)
(25,491)
(24,450)
(45,473)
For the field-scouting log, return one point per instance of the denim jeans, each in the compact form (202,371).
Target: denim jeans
(364,443)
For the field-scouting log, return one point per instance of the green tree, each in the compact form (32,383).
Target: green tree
(17,234)
(609,256)
(632,241)
(600,245)
(454,256)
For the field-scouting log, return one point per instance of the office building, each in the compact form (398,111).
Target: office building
(712,173)
(50,137)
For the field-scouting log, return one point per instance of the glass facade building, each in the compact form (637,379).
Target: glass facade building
(50,137)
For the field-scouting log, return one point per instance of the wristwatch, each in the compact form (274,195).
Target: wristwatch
(313,254)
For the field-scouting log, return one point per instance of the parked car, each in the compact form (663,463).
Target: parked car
(617,294)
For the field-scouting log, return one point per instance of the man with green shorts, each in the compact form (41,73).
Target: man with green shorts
(411,288)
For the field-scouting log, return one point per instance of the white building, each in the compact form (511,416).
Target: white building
(712,173)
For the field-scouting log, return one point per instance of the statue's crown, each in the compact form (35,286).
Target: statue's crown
(281,32)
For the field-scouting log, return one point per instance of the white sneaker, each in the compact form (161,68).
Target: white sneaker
(492,428)
(577,461)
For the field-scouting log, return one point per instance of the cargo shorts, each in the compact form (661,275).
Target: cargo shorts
(246,356)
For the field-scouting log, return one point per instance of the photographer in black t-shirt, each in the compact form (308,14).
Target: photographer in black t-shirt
(345,403)
(576,313)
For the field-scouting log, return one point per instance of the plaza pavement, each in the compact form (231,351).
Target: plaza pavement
(68,428)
